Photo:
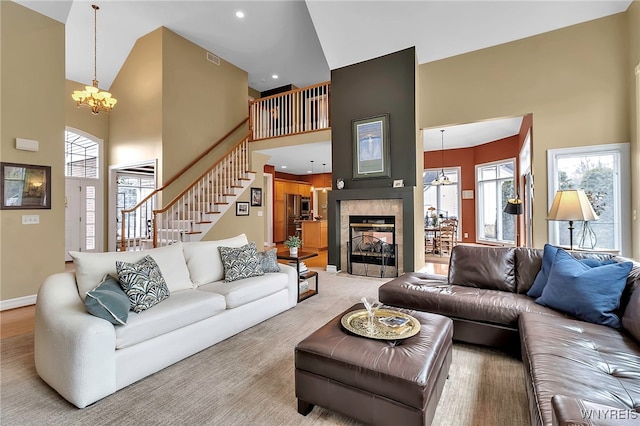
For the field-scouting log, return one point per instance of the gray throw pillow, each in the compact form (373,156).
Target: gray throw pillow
(143,283)
(631,317)
(269,261)
(108,301)
(241,262)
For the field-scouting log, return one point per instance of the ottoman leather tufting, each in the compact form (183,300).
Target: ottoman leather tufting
(375,381)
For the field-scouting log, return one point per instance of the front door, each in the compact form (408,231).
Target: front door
(83,216)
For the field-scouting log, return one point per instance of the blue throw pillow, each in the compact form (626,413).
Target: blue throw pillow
(591,294)
(108,301)
(548,256)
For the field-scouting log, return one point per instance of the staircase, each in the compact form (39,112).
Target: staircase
(193,212)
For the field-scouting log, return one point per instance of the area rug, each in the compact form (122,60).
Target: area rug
(248,379)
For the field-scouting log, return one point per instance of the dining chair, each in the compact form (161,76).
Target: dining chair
(447,239)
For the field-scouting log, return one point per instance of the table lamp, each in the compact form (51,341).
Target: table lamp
(571,204)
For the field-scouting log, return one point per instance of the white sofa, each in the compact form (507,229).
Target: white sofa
(85,358)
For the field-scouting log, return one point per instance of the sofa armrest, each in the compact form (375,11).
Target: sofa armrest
(568,411)
(74,351)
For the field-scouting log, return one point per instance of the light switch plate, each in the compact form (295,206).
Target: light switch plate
(30,219)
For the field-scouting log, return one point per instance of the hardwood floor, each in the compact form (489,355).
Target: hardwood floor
(17,321)
(22,320)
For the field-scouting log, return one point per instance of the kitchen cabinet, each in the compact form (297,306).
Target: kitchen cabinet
(314,234)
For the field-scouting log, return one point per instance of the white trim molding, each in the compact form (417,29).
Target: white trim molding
(18,302)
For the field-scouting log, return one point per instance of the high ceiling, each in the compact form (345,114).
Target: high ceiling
(301,41)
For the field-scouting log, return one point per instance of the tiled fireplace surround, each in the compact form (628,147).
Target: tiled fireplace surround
(391,207)
(397,202)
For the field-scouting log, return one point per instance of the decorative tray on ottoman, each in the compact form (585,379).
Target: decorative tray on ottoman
(387,324)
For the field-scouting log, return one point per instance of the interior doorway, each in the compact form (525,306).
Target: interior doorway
(128,185)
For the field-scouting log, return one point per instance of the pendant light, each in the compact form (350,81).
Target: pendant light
(324,171)
(312,176)
(441,179)
(92,96)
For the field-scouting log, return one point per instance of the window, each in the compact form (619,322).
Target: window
(445,199)
(600,171)
(81,156)
(494,186)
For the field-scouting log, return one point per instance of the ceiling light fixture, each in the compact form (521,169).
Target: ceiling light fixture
(312,188)
(275,76)
(240,14)
(441,179)
(91,96)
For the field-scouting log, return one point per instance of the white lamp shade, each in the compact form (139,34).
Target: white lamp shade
(571,204)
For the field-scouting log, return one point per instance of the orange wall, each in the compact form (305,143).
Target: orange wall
(467,159)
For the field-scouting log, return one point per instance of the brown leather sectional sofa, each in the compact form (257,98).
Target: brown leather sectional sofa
(576,372)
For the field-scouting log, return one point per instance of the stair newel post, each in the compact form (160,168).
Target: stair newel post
(155,228)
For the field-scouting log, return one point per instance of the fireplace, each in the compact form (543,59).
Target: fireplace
(372,248)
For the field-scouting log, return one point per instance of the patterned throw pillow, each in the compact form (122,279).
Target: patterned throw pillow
(269,261)
(143,283)
(108,301)
(241,262)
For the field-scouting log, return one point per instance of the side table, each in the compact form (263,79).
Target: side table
(305,275)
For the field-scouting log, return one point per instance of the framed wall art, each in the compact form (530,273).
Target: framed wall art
(242,208)
(25,187)
(371,157)
(256,197)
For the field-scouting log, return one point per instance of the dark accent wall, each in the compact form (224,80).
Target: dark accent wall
(382,85)
(378,86)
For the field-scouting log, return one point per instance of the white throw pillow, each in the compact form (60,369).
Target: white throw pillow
(91,267)
(203,258)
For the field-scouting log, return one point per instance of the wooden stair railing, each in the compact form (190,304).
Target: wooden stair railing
(289,113)
(207,197)
(137,222)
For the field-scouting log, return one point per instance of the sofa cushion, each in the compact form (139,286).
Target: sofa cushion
(240,262)
(238,293)
(108,301)
(491,268)
(631,317)
(181,309)
(547,261)
(203,258)
(269,260)
(591,294)
(565,356)
(143,283)
(425,292)
(91,267)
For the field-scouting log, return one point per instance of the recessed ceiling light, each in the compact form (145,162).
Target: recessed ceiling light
(240,14)
(308,171)
(283,167)
(275,76)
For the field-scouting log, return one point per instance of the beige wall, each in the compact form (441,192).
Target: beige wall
(201,102)
(32,68)
(135,124)
(633,16)
(574,81)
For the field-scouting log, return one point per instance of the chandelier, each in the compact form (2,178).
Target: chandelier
(91,96)
(441,179)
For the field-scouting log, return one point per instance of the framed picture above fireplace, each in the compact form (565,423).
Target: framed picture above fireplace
(370,139)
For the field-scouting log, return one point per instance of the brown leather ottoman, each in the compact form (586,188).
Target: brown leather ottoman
(375,381)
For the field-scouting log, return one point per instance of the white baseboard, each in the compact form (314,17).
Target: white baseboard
(18,302)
